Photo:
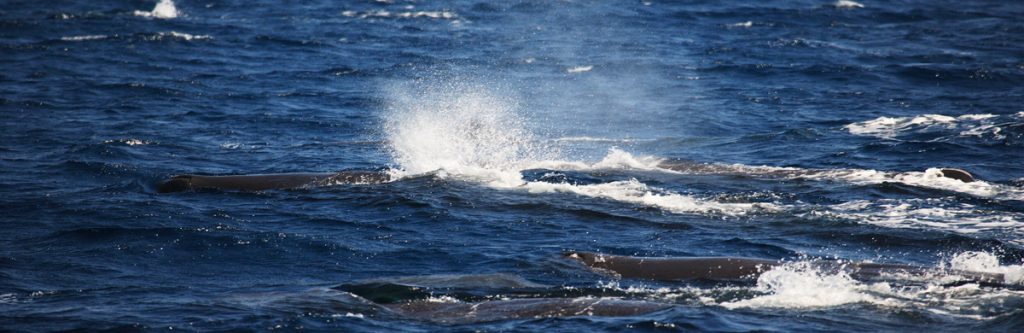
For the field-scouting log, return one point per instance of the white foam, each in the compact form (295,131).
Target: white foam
(579,69)
(442,299)
(746,24)
(800,285)
(185,36)
(231,145)
(803,286)
(130,142)
(443,14)
(892,127)
(82,38)
(930,178)
(164,9)
(987,263)
(596,139)
(635,192)
(935,214)
(847,4)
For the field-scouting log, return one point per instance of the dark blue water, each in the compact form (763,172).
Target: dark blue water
(519,130)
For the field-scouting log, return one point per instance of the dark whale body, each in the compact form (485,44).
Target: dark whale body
(470,299)
(958,174)
(522,308)
(732,268)
(671,269)
(262,182)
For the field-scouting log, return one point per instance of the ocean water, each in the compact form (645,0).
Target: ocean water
(516,130)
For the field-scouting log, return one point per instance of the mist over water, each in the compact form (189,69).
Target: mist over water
(807,132)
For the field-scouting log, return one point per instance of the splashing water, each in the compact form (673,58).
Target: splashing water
(473,132)
(800,285)
(463,129)
(989,263)
(164,10)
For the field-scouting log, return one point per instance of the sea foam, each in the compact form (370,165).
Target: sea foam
(896,127)
(847,4)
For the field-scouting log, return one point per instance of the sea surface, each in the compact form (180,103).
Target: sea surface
(516,131)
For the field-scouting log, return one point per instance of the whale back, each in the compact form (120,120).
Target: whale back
(262,182)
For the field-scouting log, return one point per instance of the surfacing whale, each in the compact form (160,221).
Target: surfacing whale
(262,182)
(520,308)
(470,299)
(739,269)
(725,169)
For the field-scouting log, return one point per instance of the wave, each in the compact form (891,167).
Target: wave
(894,127)
(944,214)
(635,192)
(932,214)
(847,4)
(579,69)
(442,15)
(181,35)
(166,35)
(164,9)
(129,142)
(82,38)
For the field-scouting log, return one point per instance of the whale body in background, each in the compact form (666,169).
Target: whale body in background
(690,167)
(262,182)
(735,268)
(272,181)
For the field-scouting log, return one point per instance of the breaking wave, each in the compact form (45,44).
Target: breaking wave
(443,15)
(970,125)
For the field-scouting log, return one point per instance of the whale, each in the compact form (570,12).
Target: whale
(471,299)
(690,167)
(678,268)
(272,181)
(522,308)
(749,269)
(958,174)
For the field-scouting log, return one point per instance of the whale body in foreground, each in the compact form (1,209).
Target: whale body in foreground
(262,182)
(523,308)
(734,268)
(471,299)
